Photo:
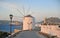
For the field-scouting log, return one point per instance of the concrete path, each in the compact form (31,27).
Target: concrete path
(29,34)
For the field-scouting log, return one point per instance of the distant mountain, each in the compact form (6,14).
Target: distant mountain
(40,22)
(51,20)
(7,22)
(4,21)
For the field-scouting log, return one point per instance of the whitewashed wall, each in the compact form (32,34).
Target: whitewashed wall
(28,23)
(51,29)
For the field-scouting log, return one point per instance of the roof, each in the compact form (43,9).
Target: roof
(28,16)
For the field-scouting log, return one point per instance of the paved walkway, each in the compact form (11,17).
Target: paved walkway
(29,34)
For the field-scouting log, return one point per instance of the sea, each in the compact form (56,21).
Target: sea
(6,27)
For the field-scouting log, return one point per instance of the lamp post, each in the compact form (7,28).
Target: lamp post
(11,16)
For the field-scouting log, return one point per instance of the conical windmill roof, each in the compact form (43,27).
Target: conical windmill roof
(28,16)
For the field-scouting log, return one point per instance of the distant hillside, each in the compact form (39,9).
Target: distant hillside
(4,21)
(7,22)
(51,20)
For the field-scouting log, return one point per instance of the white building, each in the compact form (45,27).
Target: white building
(51,29)
(28,22)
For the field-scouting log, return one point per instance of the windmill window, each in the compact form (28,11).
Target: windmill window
(59,26)
(31,22)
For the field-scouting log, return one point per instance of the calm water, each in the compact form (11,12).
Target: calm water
(6,27)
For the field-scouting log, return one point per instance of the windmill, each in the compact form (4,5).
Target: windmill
(28,20)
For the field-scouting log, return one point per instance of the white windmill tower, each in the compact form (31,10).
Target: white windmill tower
(28,21)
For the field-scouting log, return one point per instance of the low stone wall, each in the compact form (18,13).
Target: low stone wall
(50,29)
(16,31)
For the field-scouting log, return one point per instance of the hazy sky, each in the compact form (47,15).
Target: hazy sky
(37,8)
